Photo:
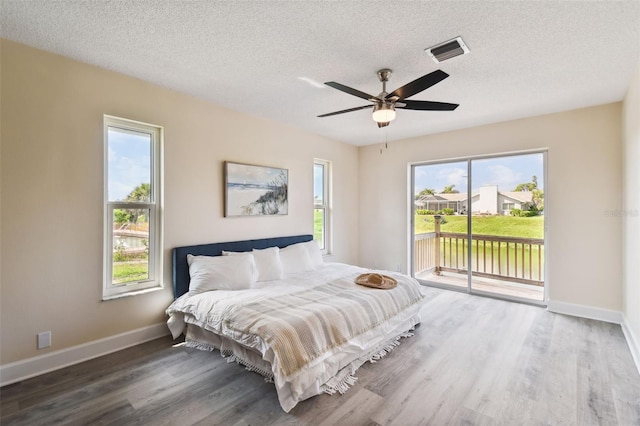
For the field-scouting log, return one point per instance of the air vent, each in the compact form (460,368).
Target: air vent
(447,50)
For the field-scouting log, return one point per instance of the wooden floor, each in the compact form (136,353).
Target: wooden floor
(473,361)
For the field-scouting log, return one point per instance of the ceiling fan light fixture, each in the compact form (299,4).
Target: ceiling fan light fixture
(383,113)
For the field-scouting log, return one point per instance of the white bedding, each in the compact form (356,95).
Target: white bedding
(332,370)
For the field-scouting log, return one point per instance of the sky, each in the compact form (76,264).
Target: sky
(506,172)
(129,162)
(318,181)
(253,175)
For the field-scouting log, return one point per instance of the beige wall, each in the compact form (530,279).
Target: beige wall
(51,195)
(631,217)
(583,184)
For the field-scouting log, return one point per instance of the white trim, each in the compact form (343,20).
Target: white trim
(633,344)
(326,206)
(584,311)
(37,365)
(600,314)
(154,205)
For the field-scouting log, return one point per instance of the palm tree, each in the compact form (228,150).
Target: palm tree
(139,194)
(424,192)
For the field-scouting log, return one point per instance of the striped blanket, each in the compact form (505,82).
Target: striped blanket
(312,330)
(302,326)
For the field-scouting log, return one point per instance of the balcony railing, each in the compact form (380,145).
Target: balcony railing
(511,259)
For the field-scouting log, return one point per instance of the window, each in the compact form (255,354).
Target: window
(321,204)
(508,206)
(133,204)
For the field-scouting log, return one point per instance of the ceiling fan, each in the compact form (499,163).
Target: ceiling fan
(385,104)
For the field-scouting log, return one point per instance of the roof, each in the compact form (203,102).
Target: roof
(522,196)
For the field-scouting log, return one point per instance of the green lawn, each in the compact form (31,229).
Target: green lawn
(124,272)
(505,226)
(317,225)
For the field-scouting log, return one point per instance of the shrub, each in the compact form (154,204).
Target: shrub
(448,211)
(119,253)
(424,212)
(121,216)
(524,213)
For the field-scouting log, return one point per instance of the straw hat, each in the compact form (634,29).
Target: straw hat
(376,281)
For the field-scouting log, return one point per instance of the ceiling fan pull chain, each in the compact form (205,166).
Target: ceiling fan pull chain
(386,138)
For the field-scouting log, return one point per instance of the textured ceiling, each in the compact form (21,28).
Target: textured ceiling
(265,58)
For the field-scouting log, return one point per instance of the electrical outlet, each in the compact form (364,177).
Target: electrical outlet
(44,339)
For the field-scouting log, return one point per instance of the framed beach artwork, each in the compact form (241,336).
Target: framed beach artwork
(255,190)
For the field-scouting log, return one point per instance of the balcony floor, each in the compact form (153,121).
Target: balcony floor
(488,285)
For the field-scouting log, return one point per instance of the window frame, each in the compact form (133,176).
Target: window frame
(325,206)
(509,206)
(154,205)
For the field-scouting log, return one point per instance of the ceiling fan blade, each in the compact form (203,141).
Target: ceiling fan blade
(349,90)
(346,110)
(418,85)
(427,105)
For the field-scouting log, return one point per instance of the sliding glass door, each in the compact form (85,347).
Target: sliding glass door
(478,225)
(440,224)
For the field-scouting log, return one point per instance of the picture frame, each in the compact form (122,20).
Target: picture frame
(252,190)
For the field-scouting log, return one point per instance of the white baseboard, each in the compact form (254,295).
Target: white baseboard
(600,314)
(37,365)
(632,342)
(583,311)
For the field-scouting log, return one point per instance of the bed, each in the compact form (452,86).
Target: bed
(273,306)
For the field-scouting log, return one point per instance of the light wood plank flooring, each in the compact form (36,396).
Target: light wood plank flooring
(473,361)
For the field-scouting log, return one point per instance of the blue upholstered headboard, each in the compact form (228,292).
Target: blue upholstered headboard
(181,268)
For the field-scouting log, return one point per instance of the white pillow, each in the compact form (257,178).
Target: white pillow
(313,249)
(295,258)
(268,264)
(221,272)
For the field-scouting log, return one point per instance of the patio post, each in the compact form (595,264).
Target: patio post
(437,219)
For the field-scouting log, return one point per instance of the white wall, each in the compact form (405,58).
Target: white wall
(488,201)
(631,216)
(51,196)
(583,184)
(502,200)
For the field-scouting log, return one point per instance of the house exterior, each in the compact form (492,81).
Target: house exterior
(437,202)
(488,200)
(510,200)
